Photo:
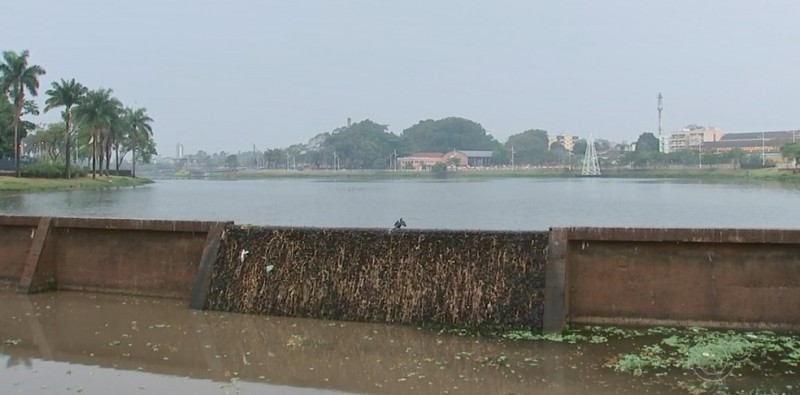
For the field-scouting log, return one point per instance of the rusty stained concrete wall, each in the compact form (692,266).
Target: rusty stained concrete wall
(708,277)
(137,257)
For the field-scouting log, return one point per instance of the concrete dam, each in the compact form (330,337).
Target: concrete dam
(538,280)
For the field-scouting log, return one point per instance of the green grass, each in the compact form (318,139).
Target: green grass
(48,184)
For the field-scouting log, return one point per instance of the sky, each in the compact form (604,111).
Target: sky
(228,75)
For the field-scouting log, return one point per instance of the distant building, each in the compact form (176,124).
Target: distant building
(753,142)
(458,158)
(420,160)
(179,151)
(693,139)
(566,140)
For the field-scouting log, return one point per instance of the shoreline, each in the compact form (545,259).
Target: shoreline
(13,184)
(768,174)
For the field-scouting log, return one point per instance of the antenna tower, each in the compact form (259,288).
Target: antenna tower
(590,165)
(660,108)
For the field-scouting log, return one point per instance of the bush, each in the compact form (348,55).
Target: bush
(50,170)
(439,169)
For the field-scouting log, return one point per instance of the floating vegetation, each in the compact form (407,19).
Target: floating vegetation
(711,355)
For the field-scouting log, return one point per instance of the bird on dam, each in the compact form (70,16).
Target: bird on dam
(399,223)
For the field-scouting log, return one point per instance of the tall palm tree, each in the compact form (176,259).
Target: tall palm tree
(139,127)
(67,94)
(16,77)
(97,111)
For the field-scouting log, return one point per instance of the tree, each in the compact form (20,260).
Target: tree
(447,134)
(140,129)
(530,146)
(97,111)
(791,151)
(362,145)
(232,161)
(16,77)
(66,94)
(48,139)
(647,143)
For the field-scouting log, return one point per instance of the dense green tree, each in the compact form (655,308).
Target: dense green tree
(17,77)
(65,94)
(232,161)
(448,134)
(362,145)
(530,146)
(579,147)
(97,110)
(647,142)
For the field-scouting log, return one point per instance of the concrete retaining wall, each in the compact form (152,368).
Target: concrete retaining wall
(141,257)
(707,277)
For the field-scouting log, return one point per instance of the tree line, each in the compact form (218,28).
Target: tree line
(369,145)
(95,123)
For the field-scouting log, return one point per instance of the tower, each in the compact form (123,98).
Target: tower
(660,108)
(591,167)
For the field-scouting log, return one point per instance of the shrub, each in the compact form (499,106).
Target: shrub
(50,170)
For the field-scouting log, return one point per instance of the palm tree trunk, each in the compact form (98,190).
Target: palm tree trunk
(116,159)
(133,150)
(94,155)
(66,147)
(16,148)
(108,157)
(17,118)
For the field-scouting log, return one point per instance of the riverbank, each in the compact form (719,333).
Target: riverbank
(773,174)
(48,184)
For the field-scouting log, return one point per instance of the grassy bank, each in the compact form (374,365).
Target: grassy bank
(46,184)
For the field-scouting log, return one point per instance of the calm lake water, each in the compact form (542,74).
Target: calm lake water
(70,342)
(506,204)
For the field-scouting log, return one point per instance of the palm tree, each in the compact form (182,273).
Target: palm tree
(97,111)
(67,94)
(16,76)
(139,124)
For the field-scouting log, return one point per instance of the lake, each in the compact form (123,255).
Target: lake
(504,204)
(72,342)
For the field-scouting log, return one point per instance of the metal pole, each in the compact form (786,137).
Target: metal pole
(763,152)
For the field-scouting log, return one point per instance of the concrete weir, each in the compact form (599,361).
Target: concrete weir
(730,278)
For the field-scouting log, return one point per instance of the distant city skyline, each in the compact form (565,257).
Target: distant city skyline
(227,76)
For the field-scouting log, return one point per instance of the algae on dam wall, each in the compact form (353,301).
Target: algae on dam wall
(471,279)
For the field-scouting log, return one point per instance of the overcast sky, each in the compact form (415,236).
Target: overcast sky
(224,75)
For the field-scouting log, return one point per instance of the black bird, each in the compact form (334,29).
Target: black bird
(399,223)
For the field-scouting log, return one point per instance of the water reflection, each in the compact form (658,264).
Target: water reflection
(71,333)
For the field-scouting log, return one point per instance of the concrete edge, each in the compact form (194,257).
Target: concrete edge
(556,303)
(687,235)
(34,253)
(198,297)
(652,322)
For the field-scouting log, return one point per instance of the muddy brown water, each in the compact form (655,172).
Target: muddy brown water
(73,342)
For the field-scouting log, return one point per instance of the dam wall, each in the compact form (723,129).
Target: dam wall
(728,278)
(137,257)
